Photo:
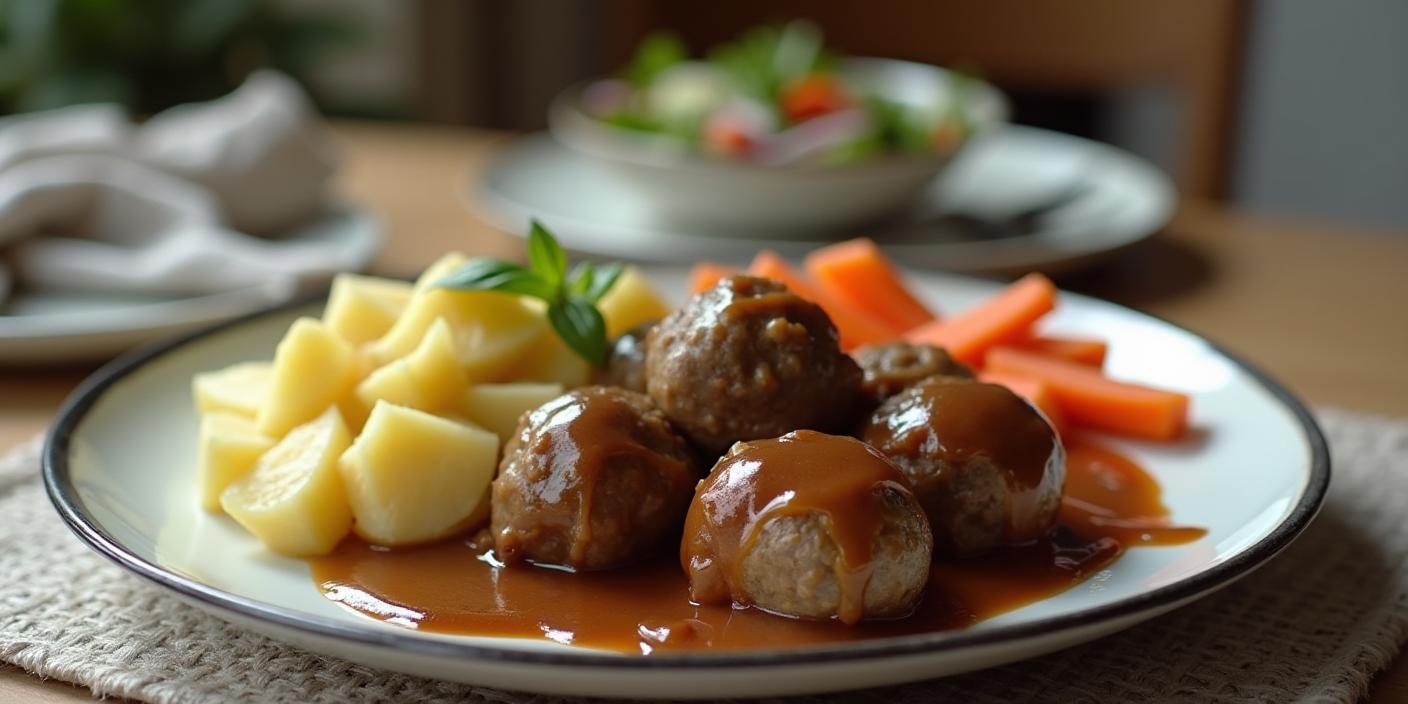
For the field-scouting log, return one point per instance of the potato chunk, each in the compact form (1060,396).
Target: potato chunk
(413,477)
(428,379)
(630,302)
(497,407)
(491,330)
(439,269)
(229,446)
(393,383)
(362,308)
(313,369)
(550,360)
(294,500)
(240,388)
(435,366)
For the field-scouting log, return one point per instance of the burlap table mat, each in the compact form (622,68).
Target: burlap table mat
(1313,625)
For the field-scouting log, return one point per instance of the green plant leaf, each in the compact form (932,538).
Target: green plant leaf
(486,274)
(545,255)
(571,310)
(580,280)
(797,49)
(581,326)
(604,279)
(658,51)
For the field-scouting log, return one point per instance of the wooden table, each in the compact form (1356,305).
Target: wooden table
(1320,307)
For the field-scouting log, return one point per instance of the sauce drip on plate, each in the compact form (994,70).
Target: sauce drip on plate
(1110,504)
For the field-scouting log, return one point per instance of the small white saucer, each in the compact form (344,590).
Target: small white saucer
(46,328)
(1121,200)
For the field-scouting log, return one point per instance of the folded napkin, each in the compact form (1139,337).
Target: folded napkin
(189,202)
(1311,625)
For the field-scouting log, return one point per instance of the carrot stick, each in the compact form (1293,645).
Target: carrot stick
(1089,398)
(855,327)
(1004,318)
(857,272)
(1035,391)
(705,274)
(1082,350)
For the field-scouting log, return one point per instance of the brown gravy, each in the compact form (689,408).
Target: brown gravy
(957,419)
(1110,504)
(740,495)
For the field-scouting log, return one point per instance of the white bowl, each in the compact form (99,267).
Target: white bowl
(688,187)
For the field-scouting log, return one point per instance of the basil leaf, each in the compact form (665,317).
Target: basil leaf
(581,326)
(545,255)
(580,280)
(486,274)
(605,278)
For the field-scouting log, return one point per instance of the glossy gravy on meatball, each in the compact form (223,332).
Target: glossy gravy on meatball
(625,362)
(798,474)
(938,429)
(593,479)
(747,360)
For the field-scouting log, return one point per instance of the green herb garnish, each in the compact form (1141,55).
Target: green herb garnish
(571,295)
(658,51)
(765,58)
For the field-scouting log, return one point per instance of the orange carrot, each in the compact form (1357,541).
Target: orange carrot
(705,274)
(1035,391)
(1082,350)
(1002,319)
(1087,397)
(857,272)
(855,327)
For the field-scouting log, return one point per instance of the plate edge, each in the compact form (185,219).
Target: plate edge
(64,498)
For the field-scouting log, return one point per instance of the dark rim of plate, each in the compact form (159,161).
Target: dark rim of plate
(65,498)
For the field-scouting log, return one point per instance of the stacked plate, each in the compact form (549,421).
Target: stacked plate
(1019,199)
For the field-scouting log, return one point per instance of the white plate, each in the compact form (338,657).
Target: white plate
(1123,200)
(1254,470)
(54,328)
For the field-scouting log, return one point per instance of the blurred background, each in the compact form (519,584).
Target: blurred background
(1292,107)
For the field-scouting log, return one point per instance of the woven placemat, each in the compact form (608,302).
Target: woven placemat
(1312,625)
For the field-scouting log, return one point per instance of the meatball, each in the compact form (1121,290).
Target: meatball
(889,368)
(809,525)
(987,466)
(592,479)
(747,360)
(625,366)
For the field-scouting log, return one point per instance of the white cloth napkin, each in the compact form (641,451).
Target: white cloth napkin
(189,202)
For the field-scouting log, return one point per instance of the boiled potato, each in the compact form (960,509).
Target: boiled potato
(229,445)
(439,269)
(498,406)
(393,383)
(313,369)
(491,330)
(294,499)
(413,477)
(362,308)
(630,302)
(550,360)
(240,388)
(428,379)
(435,366)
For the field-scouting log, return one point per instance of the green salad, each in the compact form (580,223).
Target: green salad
(776,95)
